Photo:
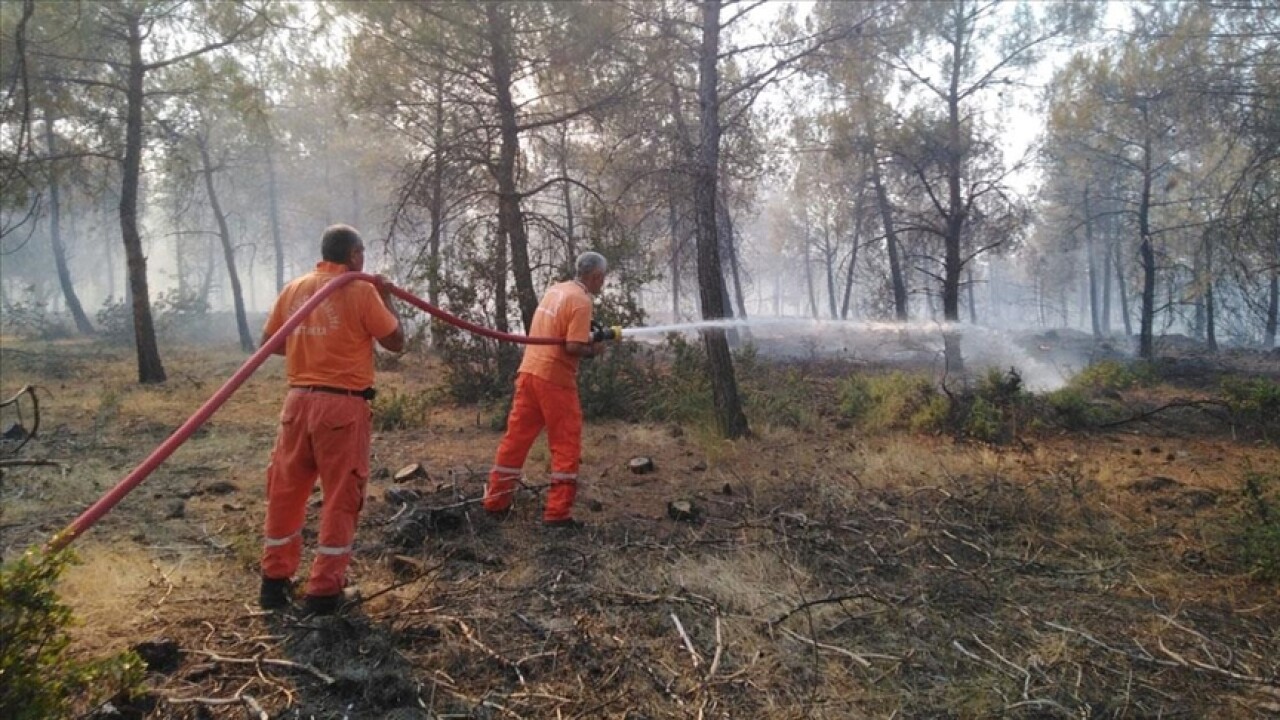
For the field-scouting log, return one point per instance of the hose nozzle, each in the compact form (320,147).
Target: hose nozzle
(600,333)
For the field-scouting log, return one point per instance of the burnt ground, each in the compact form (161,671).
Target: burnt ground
(824,573)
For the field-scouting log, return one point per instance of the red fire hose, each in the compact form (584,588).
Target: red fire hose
(179,436)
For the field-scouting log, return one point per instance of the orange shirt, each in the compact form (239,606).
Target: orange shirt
(565,312)
(334,345)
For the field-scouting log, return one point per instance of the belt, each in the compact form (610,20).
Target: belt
(367,393)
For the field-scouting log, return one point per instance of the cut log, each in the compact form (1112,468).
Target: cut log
(683,511)
(640,465)
(410,472)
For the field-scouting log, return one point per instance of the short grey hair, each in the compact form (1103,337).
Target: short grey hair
(589,262)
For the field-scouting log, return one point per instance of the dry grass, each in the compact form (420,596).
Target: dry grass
(840,576)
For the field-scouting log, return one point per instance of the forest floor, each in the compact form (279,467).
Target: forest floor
(828,573)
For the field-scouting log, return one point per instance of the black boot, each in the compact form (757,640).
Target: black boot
(276,593)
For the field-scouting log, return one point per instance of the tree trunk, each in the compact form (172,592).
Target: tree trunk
(1146,344)
(55,235)
(1122,287)
(435,202)
(228,250)
(973,304)
(829,261)
(955,216)
(673,219)
(1210,321)
(510,218)
(891,241)
(566,190)
(808,275)
(1092,257)
(150,369)
(1273,310)
(731,420)
(853,258)
(730,248)
(273,212)
(1105,315)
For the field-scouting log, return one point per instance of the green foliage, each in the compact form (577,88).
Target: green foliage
(30,318)
(615,384)
(774,395)
(1109,376)
(1260,526)
(38,679)
(172,312)
(1070,408)
(1255,402)
(401,411)
(889,401)
(683,394)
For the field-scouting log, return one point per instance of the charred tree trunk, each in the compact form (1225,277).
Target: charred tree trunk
(973,304)
(1273,310)
(808,276)
(1123,289)
(1146,251)
(1092,257)
(829,261)
(1105,315)
(673,219)
(853,258)
(730,249)
(510,218)
(1210,321)
(731,420)
(150,369)
(891,242)
(955,217)
(228,250)
(55,235)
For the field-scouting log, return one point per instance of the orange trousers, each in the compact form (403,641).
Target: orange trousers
(328,436)
(538,404)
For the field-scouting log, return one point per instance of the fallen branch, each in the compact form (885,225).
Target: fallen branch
(18,462)
(860,658)
(688,645)
(1168,406)
(326,679)
(466,630)
(249,702)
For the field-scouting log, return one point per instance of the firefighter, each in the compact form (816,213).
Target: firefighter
(546,396)
(325,425)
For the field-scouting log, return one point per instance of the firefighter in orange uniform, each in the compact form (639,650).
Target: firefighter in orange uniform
(325,425)
(547,396)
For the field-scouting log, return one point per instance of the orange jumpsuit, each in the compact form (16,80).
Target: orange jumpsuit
(325,425)
(546,396)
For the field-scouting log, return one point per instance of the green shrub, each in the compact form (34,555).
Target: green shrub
(984,421)
(394,410)
(37,677)
(888,401)
(684,393)
(1070,408)
(1260,527)
(1255,402)
(1113,376)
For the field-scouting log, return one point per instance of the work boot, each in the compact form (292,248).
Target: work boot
(564,524)
(275,594)
(330,604)
(500,515)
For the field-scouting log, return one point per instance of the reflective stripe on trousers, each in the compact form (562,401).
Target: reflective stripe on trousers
(322,436)
(539,404)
